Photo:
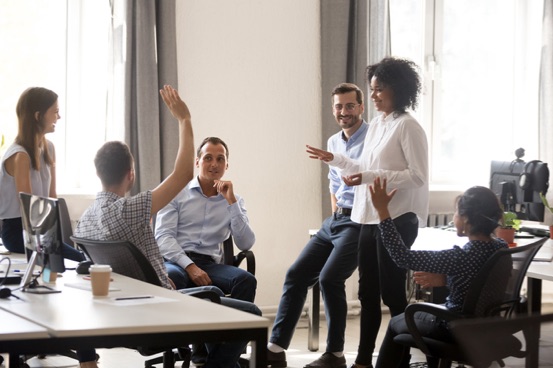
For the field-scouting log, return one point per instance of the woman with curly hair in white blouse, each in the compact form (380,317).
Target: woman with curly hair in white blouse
(477,215)
(395,148)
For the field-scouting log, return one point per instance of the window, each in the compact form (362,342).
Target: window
(54,45)
(480,66)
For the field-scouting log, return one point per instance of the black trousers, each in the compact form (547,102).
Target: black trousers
(380,279)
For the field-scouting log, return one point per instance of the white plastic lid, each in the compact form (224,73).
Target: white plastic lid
(99,268)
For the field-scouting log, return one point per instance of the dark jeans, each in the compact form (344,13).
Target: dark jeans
(397,355)
(233,281)
(226,354)
(12,238)
(380,278)
(329,257)
(86,355)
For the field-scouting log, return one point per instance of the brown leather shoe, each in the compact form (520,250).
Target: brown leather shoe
(328,360)
(276,360)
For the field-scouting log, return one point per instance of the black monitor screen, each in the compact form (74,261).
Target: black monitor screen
(505,183)
(41,230)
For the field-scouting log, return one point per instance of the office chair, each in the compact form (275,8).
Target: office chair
(480,338)
(229,258)
(125,259)
(65,222)
(495,291)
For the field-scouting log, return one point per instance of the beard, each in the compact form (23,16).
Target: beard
(351,120)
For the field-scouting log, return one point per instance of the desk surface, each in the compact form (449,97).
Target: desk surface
(17,328)
(74,319)
(75,312)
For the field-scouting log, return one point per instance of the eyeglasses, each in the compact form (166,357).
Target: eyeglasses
(348,107)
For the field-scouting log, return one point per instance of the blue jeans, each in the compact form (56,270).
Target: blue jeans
(379,277)
(225,354)
(329,257)
(233,281)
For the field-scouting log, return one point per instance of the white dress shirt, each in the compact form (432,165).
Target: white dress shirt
(395,148)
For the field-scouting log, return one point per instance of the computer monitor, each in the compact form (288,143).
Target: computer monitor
(521,197)
(42,238)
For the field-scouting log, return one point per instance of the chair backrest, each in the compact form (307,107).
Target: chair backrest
(496,288)
(65,222)
(123,257)
(481,337)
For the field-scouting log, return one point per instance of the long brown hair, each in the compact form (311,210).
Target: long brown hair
(29,136)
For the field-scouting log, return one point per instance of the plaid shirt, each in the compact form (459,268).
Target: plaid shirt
(111,217)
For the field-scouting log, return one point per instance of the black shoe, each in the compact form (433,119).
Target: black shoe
(199,354)
(328,360)
(276,360)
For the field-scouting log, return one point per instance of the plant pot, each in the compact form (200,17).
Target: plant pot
(507,234)
(550,231)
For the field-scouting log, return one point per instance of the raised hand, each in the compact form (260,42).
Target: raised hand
(381,198)
(175,104)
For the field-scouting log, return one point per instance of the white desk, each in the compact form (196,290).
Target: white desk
(537,272)
(17,328)
(75,319)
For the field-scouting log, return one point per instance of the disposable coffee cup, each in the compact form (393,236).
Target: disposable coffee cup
(100,275)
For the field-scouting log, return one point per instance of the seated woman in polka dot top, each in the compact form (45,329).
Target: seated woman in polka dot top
(477,214)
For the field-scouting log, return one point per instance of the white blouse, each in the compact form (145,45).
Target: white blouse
(395,148)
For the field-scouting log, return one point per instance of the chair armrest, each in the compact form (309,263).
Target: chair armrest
(206,294)
(250,260)
(235,260)
(438,310)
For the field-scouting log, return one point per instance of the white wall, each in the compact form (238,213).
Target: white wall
(250,73)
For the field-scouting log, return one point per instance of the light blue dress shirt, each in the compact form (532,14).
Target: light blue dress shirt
(193,222)
(352,148)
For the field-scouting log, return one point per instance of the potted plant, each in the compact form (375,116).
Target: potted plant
(546,204)
(508,227)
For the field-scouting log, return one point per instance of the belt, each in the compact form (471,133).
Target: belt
(343,211)
(199,256)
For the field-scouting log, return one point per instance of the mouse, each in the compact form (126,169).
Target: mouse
(82,267)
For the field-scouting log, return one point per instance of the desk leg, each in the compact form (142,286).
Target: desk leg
(258,357)
(313,317)
(13,360)
(534,295)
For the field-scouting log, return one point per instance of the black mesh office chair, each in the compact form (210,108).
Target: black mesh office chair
(480,338)
(229,258)
(125,259)
(495,291)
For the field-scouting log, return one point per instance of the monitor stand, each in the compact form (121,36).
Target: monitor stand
(30,285)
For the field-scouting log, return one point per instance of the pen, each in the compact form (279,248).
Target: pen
(134,297)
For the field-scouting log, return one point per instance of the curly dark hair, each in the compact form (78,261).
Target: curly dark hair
(113,161)
(402,76)
(482,209)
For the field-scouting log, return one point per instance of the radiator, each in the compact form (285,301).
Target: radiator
(439,219)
